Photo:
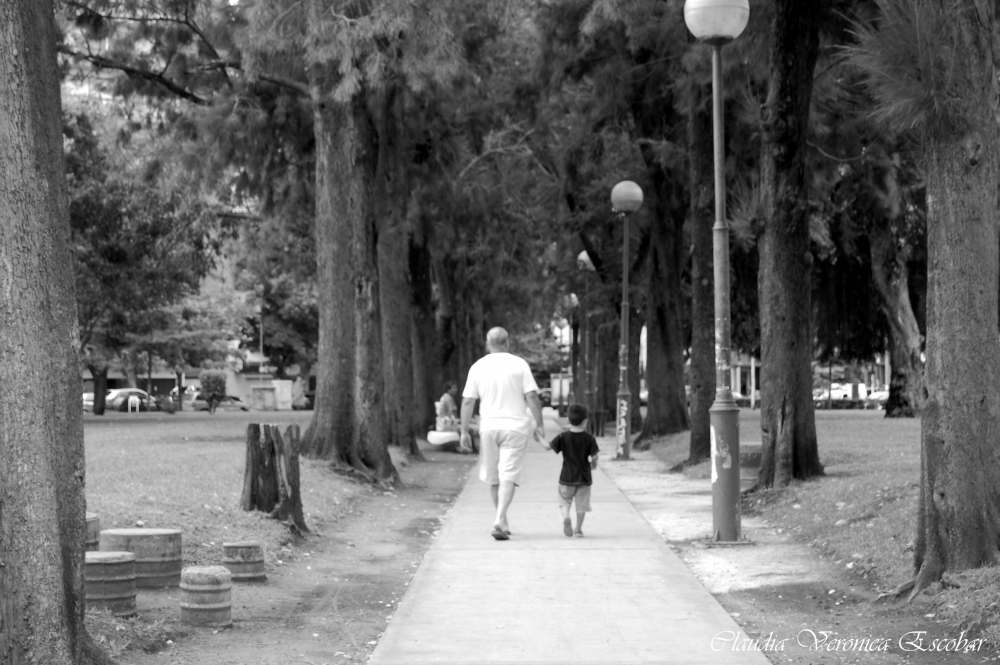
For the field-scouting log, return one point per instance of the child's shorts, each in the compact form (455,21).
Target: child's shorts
(580,492)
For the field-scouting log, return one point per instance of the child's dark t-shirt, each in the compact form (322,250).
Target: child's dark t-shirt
(575,447)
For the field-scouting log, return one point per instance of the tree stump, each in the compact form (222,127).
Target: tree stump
(271,479)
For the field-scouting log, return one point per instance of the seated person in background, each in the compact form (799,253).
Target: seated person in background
(448,415)
(446,406)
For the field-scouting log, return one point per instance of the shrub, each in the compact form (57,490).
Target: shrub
(213,387)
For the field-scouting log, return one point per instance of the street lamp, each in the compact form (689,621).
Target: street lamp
(626,197)
(584,263)
(718,22)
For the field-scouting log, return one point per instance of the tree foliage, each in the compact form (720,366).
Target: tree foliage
(137,250)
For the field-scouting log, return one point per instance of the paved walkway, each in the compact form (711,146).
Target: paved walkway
(617,596)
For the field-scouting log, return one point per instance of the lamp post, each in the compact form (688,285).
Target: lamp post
(718,22)
(585,264)
(626,197)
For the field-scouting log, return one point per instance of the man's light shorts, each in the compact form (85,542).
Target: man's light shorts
(582,494)
(501,455)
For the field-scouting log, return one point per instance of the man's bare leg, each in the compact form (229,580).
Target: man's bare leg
(502,495)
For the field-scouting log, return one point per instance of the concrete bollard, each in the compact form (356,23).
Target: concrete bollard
(157,554)
(245,561)
(109,582)
(93,542)
(206,596)
(750,454)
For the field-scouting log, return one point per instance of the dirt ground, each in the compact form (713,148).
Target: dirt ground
(802,607)
(333,594)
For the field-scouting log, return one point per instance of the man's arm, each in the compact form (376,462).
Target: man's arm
(468,406)
(535,406)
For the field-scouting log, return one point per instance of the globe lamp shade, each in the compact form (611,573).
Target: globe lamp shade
(716,20)
(626,196)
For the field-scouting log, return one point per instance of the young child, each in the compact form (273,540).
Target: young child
(579,450)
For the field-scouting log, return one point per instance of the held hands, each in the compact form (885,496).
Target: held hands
(540,437)
(465,441)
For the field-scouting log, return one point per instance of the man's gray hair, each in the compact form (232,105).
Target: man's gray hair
(496,339)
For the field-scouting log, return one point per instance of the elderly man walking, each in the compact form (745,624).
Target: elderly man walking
(507,392)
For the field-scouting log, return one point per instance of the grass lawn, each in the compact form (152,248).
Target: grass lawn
(185,471)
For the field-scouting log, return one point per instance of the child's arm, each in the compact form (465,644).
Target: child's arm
(593,461)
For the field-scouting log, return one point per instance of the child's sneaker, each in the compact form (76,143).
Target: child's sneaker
(568,528)
(577,533)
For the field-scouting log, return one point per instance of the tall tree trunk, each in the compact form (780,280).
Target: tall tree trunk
(634,380)
(340,191)
(576,389)
(130,362)
(701,214)
(445,320)
(371,432)
(667,403)
(42,501)
(100,376)
(788,424)
(891,278)
(428,375)
(393,276)
(959,513)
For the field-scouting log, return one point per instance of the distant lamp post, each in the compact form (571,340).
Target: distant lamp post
(584,263)
(718,22)
(626,197)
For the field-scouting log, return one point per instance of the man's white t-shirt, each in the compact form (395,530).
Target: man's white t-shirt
(500,381)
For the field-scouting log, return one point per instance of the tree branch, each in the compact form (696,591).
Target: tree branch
(134,72)
(295,86)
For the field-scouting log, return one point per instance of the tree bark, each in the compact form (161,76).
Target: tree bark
(788,426)
(667,402)
(891,279)
(42,481)
(429,382)
(100,377)
(701,215)
(340,189)
(445,320)
(634,380)
(960,483)
(371,432)
(271,475)
(393,275)
(959,509)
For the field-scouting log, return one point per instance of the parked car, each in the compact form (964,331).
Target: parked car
(879,398)
(118,399)
(227,403)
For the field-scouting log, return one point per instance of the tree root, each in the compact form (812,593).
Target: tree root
(677,468)
(93,654)
(352,472)
(920,583)
(897,592)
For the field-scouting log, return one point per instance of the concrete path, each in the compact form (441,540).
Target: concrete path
(617,596)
